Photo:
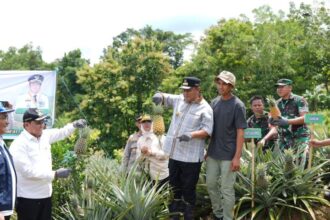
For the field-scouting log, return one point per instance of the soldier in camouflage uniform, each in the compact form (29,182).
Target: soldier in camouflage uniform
(292,130)
(259,119)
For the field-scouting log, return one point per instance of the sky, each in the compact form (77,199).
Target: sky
(60,26)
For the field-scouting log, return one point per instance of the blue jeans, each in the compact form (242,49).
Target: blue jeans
(220,182)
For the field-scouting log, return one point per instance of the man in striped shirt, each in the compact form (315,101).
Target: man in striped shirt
(191,124)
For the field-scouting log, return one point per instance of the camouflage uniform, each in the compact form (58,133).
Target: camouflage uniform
(293,136)
(262,122)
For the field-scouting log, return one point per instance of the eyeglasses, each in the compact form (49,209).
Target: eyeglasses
(3,116)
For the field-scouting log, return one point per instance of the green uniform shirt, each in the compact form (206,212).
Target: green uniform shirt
(291,135)
(262,123)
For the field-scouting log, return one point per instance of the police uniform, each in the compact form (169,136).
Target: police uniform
(31,100)
(262,123)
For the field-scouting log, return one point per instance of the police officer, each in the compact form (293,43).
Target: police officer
(34,98)
(292,130)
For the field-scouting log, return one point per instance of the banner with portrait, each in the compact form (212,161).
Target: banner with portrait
(21,90)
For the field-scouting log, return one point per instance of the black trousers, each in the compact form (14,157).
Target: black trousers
(34,209)
(183,179)
(7,217)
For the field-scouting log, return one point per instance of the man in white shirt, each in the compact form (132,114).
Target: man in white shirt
(7,171)
(33,162)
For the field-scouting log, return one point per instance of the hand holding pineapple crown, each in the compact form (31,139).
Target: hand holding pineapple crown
(81,123)
(157,98)
(157,109)
(275,114)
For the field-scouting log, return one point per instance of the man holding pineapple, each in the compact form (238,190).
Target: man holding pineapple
(225,148)
(33,162)
(192,123)
(292,130)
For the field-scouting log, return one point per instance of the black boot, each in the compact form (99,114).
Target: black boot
(189,212)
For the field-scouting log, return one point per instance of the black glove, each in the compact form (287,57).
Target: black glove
(282,122)
(157,98)
(62,173)
(185,137)
(81,123)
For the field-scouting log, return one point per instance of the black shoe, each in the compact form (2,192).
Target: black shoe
(188,212)
(174,209)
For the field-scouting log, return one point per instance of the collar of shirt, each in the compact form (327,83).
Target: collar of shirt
(29,136)
(290,97)
(197,101)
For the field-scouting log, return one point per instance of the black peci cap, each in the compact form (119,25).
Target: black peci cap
(33,114)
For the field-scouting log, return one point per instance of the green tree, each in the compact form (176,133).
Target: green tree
(69,92)
(172,44)
(25,58)
(120,86)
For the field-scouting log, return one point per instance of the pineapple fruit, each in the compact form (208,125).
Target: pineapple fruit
(289,160)
(81,144)
(158,120)
(273,109)
(262,178)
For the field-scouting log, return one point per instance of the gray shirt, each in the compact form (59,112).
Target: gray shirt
(187,117)
(229,115)
(130,154)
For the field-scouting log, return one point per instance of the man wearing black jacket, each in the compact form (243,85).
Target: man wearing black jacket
(7,171)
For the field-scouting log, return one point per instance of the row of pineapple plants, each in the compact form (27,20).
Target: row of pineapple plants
(283,190)
(107,193)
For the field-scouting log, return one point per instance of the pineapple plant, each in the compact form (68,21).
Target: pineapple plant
(274,111)
(158,120)
(81,144)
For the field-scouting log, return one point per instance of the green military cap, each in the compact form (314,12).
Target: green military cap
(284,82)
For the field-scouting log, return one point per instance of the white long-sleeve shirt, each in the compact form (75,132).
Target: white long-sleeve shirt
(33,161)
(157,161)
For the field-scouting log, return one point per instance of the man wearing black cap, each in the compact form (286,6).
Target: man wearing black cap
(192,123)
(33,162)
(292,130)
(34,98)
(7,171)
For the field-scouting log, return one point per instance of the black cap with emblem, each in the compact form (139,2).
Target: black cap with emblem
(189,82)
(33,114)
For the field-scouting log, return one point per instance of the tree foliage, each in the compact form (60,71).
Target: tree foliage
(69,93)
(120,86)
(25,58)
